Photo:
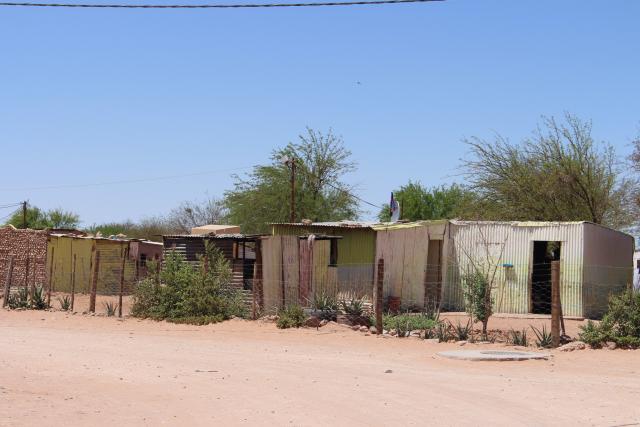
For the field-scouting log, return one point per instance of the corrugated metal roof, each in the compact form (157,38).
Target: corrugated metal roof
(344,224)
(213,236)
(406,225)
(535,224)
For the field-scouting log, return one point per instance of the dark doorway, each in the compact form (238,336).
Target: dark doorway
(433,276)
(543,254)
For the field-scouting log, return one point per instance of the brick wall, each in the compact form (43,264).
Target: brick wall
(29,248)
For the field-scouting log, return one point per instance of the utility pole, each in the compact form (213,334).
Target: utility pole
(291,162)
(24,214)
(293,190)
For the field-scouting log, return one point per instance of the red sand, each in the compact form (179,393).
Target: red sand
(63,369)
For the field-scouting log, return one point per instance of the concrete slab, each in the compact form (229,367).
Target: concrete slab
(493,355)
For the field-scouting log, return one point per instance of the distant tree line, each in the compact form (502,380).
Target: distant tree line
(560,173)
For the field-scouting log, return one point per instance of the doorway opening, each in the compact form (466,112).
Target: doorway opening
(543,253)
(433,277)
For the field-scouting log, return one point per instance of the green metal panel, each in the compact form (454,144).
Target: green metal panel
(357,246)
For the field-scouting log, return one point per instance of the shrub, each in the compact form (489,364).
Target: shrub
(462,333)
(544,338)
(19,299)
(443,332)
(291,317)
(407,322)
(518,338)
(186,294)
(353,306)
(326,305)
(324,302)
(620,324)
(38,299)
(65,303)
(110,308)
(477,296)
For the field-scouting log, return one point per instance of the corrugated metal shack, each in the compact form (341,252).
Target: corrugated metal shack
(425,261)
(413,257)
(64,248)
(594,262)
(356,250)
(293,269)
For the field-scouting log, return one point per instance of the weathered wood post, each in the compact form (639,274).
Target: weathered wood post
(53,251)
(7,283)
(125,253)
(94,283)
(555,303)
(257,280)
(379,296)
(73,281)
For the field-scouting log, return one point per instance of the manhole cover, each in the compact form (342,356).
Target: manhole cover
(495,355)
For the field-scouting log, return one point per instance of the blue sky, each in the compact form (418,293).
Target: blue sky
(89,96)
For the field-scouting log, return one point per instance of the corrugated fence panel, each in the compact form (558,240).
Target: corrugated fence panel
(272,273)
(290,269)
(320,278)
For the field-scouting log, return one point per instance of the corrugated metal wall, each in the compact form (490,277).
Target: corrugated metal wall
(491,244)
(294,270)
(356,254)
(405,251)
(608,267)
(61,250)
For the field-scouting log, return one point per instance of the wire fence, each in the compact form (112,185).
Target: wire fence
(518,289)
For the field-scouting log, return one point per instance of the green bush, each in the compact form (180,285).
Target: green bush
(593,334)
(620,324)
(291,317)
(477,297)
(408,322)
(19,299)
(186,294)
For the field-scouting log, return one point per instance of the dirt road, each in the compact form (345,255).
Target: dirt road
(61,369)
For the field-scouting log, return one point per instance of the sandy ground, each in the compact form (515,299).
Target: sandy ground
(63,369)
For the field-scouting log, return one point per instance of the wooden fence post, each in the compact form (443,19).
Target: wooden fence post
(94,283)
(555,303)
(53,251)
(7,283)
(73,281)
(379,296)
(256,288)
(125,253)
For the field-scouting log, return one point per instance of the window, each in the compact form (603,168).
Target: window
(333,253)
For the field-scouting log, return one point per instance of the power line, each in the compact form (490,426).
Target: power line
(215,6)
(10,205)
(124,181)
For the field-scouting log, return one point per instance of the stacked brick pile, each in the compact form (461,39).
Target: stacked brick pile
(29,248)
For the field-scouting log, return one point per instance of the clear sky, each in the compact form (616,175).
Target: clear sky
(91,96)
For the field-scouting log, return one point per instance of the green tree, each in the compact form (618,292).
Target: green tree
(559,174)
(421,203)
(263,196)
(37,218)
